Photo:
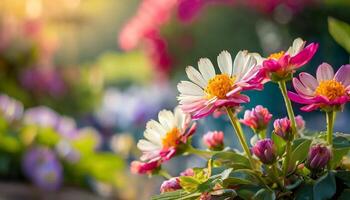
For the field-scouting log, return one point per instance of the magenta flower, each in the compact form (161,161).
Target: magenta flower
(283,128)
(214,140)
(281,65)
(170,185)
(209,91)
(137,167)
(257,119)
(266,151)
(318,157)
(327,91)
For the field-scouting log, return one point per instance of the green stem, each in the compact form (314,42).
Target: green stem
(330,125)
(262,134)
(276,176)
(202,153)
(237,126)
(291,116)
(165,174)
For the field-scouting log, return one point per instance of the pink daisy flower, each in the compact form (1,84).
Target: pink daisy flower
(209,91)
(326,91)
(282,64)
(163,139)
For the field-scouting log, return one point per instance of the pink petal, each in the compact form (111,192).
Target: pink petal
(301,89)
(304,56)
(284,61)
(310,107)
(203,112)
(343,75)
(271,65)
(299,99)
(324,72)
(308,81)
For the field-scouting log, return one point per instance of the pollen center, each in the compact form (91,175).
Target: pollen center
(171,138)
(219,86)
(276,56)
(331,89)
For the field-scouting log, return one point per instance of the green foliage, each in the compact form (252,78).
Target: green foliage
(325,187)
(230,159)
(280,144)
(300,149)
(264,194)
(340,31)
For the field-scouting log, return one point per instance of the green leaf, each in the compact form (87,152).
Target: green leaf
(341,142)
(245,174)
(280,144)
(325,187)
(177,195)
(338,155)
(189,183)
(231,159)
(344,176)
(264,194)
(236,181)
(247,191)
(300,150)
(224,194)
(340,31)
(305,192)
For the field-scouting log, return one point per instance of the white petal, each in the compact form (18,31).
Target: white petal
(166,119)
(155,126)
(324,72)
(225,62)
(206,68)
(250,62)
(179,117)
(145,145)
(189,88)
(195,76)
(238,62)
(153,136)
(297,46)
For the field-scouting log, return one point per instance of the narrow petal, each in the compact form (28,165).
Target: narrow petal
(166,119)
(225,62)
(238,62)
(195,76)
(308,81)
(310,107)
(298,99)
(297,46)
(324,72)
(189,88)
(271,65)
(304,56)
(301,89)
(206,68)
(145,145)
(343,75)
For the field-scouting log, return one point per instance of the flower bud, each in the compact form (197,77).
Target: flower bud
(170,185)
(257,119)
(318,157)
(283,128)
(266,151)
(187,172)
(214,140)
(300,123)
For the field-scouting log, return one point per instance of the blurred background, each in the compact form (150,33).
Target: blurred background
(79,79)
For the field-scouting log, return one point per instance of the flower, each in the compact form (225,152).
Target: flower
(300,122)
(266,151)
(187,172)
(10,109)
(318,157)
(281,65)
(214,140)
(208,91)
(283,128)
(164,137)
(327,91)
(170,185)
(257,119)
(42,167)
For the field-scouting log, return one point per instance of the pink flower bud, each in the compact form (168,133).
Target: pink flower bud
(283,128)
(187,172)
(170,185)
(214,140)
(300,123)
(266,151)
(257,119)
(137,167)
(318,157)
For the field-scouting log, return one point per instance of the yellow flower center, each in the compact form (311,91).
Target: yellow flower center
(171,138)
(219,86)
(276,56)
(330,89)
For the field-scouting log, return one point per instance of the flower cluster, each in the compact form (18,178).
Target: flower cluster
(274,165)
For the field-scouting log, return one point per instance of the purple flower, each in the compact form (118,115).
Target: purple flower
(41,116)
(10,109)
(318,157)
(266,151)
(170,185)
(41,166)
(67,127)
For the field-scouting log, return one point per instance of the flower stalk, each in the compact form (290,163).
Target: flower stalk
(291,116)
(330,125)
(239,132)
